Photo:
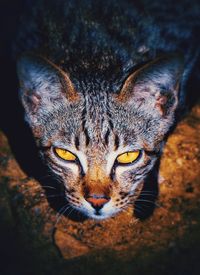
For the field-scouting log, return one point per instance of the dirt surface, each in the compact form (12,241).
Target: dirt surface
(35,239)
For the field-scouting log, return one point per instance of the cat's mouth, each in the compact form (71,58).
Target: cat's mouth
(100,209)
(100,214)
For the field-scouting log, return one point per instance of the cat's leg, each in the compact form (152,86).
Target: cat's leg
(146,202)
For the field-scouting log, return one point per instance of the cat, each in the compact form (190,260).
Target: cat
(102,84)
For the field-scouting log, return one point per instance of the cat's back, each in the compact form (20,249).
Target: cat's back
(106,40)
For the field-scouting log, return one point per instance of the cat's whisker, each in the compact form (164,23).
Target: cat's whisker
(148,201)
(33,188)
(61,212)
(156,204)
(148,192)
(149,195)
(51,175)
(46,176)
(144,193)
(68,211)
(47,213)
(152,202)
(43,195)
(72,209)
(139,209)
(47,186)
(55,196)
(123,208)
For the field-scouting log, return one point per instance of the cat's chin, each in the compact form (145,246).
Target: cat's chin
(102,215)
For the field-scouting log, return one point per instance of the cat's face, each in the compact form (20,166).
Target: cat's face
(99,144)
(88,148)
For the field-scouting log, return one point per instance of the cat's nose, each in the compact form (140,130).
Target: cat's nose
(97,201)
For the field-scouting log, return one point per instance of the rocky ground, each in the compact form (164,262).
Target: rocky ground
(34,239)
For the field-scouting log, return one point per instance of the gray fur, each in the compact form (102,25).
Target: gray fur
(136,118)
(91,102)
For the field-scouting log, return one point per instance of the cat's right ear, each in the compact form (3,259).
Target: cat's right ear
(153,88)
(41,83)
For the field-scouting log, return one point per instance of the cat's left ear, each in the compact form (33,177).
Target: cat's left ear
(38,75)
(42,85)
(154,87)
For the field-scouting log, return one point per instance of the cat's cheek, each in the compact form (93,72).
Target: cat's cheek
(69,174)
(71,182)
(120,173)
(125,182)
(74,169)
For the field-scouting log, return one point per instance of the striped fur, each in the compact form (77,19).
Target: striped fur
(101,89)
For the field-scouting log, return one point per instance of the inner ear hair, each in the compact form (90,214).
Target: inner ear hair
(71,94)
(163,73)
(36,72)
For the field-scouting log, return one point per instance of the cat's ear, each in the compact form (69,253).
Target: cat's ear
(41,83)
(154,87)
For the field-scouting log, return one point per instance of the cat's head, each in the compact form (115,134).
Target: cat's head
(100,144)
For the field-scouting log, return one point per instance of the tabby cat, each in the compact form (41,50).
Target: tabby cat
(102,83)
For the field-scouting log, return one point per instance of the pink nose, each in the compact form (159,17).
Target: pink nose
(97,201)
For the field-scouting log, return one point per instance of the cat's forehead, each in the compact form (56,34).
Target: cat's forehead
(100,125)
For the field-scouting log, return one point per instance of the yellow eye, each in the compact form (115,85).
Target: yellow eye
(128,157)
(64,154)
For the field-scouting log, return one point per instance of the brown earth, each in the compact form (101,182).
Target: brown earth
(36,240)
